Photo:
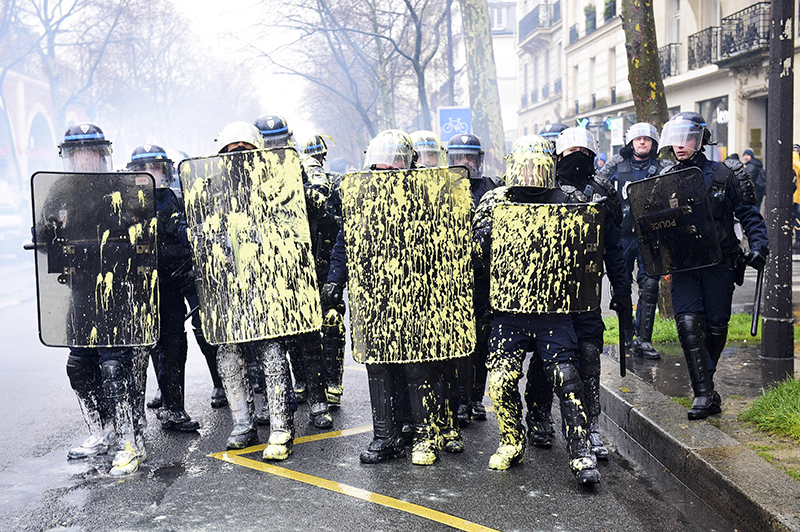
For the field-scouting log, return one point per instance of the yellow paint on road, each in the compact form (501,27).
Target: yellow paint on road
(237,458)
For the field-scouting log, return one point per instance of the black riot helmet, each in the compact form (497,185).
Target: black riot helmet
(687,129)
(275,131)
(551,131)
(154,160)
(316,146)
(85,149)
(466,150)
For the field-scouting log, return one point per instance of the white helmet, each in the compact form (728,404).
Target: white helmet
(576,136)
(239,132)
(641,129)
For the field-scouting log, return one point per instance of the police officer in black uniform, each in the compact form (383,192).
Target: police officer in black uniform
(701,298)
(322,241)
(466,150)
(637,160)
(305,350)
(175,280)
(576,149)
(102,377)
(550,335)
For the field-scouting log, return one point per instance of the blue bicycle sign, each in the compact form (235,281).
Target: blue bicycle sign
(454,121)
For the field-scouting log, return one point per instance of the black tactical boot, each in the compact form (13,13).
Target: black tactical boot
(645,318)
(386,443)
(589,358)
(690,332)
(218,399)
(539,399)
(171,378)
(569,389)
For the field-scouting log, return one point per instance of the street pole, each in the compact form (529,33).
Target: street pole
(777,333)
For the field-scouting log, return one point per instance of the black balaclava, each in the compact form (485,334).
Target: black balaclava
(575,169)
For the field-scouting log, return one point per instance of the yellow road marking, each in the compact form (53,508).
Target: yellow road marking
(235,457)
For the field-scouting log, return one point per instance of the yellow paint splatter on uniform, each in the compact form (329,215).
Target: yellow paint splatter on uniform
(408,235)
(252,246)
(546,258)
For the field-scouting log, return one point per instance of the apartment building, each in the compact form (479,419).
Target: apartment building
(714,56)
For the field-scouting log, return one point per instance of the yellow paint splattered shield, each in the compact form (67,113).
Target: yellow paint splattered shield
(251,242)
(96,258)
(546,258)
(408,241)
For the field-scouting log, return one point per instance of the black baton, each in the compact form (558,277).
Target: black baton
(621,323)
(191,313)
(757,303)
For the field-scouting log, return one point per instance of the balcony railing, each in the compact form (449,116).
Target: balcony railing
(573,33)
(745,30)
(668,57)
(534,96)
(704,48)
(524,102)
(557,86)
(542,16)
(613,95)
(545,92)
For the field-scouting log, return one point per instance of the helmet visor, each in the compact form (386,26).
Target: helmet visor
(92,158)
(388,152)
(471,158)
(531,165)
(682,133)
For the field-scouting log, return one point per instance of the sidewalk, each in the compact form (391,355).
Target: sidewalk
(646,426)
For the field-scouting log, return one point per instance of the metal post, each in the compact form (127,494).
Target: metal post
(777,330)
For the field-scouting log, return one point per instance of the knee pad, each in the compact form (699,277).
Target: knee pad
(690,330)
(648,290)
(83,373)
(565,379)
(229,361)
(589,359)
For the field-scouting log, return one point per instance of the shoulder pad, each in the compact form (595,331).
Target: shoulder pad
(741,181)
(496,181)
(669,167)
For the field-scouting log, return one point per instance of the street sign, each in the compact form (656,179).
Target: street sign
(454,121)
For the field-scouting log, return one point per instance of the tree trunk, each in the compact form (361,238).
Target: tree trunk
(484,96)
(647,87)
(644,69)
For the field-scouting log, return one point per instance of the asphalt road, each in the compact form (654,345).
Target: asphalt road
(189,482)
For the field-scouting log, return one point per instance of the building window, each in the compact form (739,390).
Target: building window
(715,111)
(499,16)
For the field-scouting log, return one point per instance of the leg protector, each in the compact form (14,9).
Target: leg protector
(504,392)
(424,411)
(690,332)
(141,357)
(589,370)
(314,365)
(645,318)
(210,353)
(569,389)
(449,413)
(387,442)
(539,399)
(333,353)
(84,377)
(299,372)
(277,380)
(233,373)
(117,387)
(716,337)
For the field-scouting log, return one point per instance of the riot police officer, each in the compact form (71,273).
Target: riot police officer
(389,372)
(576,149)
(701,298)
(322,241)
(101,377)
(466,150)
(175,280)
(305,350)
(525,316)
(271,354)
(637,160)
(429,148)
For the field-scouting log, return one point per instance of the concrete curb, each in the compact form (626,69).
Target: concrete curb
(735,482)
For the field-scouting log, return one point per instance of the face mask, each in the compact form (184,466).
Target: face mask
(575,168)
(239,148)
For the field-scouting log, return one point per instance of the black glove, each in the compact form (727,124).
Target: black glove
(185,280)
(620,302)
(332,294)
(757,259)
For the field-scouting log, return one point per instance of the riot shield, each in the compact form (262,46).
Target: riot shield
(408,240)
(546,258)
(96,258)
(250,238)
(673,222)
